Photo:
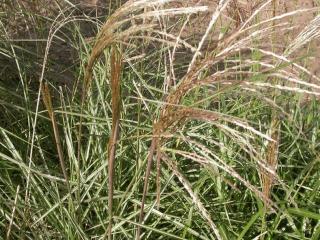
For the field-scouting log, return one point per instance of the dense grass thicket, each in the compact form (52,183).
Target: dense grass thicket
(175,120)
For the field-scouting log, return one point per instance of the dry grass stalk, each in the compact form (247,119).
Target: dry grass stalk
(48,103)
(116,66)
(152,149)
(271,157)
(158,158)
(272,148)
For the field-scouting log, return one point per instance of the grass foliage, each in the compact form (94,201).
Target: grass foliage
(165,136)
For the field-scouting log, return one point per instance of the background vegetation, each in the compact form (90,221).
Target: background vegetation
(159,120)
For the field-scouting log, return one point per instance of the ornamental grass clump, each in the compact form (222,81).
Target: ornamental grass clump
(190,120)
(240,74)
